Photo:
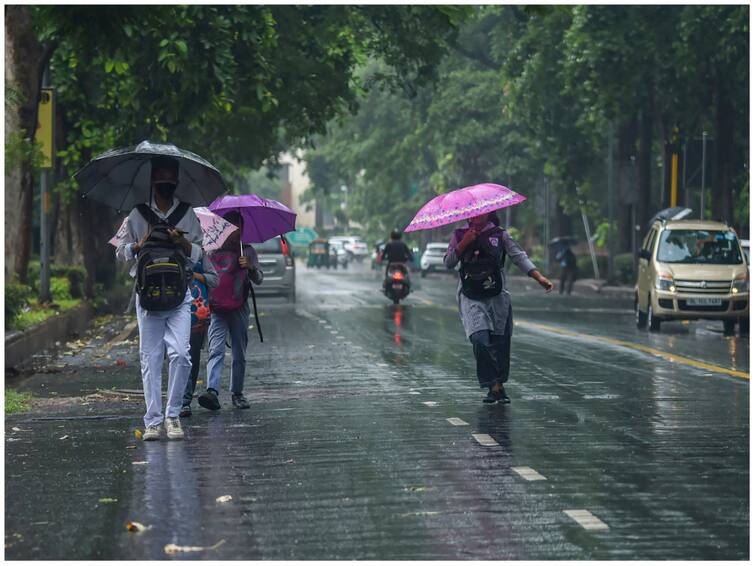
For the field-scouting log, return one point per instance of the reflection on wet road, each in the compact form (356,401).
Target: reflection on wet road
(367,439)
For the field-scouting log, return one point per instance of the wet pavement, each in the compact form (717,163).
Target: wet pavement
(367,439)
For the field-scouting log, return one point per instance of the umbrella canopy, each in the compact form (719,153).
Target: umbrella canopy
(121,178)
(673,213)
(463,204)
(263,218)
(215,229)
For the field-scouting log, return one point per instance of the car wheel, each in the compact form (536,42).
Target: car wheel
(640,318)
(654,323)
(729,327)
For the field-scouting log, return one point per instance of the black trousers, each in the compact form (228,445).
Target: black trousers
(195,352)
(568,276)
(492,353)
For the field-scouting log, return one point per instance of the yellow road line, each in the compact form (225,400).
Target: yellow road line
(639,347)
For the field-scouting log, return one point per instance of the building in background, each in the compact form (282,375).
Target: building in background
(294,182)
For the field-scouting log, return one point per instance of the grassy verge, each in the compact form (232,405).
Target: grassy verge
(37,313)
(16,402)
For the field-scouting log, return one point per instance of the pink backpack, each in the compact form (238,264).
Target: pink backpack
(233,285)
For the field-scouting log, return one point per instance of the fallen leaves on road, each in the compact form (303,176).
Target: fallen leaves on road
(120,362)
(139,463)
(224,499)
(138,434)
(64,437)
(175,549)
(419,488)
(107,500)
(131,447)
(134,527)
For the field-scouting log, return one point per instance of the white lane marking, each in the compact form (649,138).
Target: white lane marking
(586,519)
(457,422)
(528,473)
(382,365)
(414,393)
(604,396)
(485,439)
(334,331)
(430,403)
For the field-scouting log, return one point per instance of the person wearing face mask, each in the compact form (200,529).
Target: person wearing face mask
(163,329)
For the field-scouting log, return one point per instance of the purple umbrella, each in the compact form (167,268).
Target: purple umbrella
(263,218)
(463,204)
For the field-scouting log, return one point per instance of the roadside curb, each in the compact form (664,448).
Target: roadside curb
(21,346)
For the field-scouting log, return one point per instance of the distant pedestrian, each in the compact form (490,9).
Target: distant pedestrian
(230,315)
(484,303)
(205,278)
(568,262)
(163,227)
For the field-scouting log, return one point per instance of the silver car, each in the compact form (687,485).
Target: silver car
(354,246)
(277,264)
(432,259)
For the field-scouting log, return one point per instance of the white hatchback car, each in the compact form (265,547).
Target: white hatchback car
(432,258)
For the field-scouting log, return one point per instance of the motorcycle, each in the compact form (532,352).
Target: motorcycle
(396,285)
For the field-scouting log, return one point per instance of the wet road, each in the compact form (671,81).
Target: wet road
(367,439)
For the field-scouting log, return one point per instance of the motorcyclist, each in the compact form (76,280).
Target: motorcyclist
(396,251)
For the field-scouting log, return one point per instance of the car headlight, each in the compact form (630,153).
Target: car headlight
(741,284)
(665,282)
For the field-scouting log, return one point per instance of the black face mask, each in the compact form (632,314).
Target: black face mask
(165,189)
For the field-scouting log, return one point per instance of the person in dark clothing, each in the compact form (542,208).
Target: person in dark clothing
(568,262)
(396,251)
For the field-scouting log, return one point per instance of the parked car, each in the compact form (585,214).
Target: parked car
(354,246)
(338,254)
(692,269)
(432,258)
(746,249)
(277,264)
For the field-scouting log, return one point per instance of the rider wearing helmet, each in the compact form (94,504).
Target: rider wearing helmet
(396,251)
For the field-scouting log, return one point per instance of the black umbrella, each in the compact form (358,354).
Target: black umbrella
(673,213)
(121,177)
(563,241)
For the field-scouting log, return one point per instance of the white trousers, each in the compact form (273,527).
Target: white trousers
(159,330)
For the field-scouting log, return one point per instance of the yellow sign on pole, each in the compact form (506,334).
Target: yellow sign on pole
(45,137)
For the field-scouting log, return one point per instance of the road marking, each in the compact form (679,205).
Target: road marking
(485,439)
(586,519)
(638,347)
(528,473)
(457,422)
(604,396)
(540,397)
(382,365)
(430,403)
(414,393)
(334,331)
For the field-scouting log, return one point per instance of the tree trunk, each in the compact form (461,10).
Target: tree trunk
(25,60)
(723,152)
(644,159)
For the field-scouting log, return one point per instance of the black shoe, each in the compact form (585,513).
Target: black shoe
(209,400)
(185,411)
(490,398)
(239,401)
(502,397)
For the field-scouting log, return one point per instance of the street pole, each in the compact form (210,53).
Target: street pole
(546,247)
(674,165)
(611,187)
(590,245)
(702,182)
(44,203)
(684,174)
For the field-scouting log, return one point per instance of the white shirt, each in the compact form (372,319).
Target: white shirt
(137,227)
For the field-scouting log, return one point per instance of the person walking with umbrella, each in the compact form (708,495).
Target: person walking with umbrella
(163,239)
(481,247)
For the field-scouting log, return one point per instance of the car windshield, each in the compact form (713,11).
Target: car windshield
(436,248)
(715,247)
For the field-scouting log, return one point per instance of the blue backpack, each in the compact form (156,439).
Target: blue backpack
(200,302)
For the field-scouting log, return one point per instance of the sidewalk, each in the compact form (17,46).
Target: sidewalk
(594,287)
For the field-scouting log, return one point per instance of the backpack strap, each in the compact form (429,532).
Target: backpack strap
(176,216)
(153,219)
(148,214)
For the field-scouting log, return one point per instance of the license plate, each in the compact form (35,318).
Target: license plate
(704,302)
(397,286)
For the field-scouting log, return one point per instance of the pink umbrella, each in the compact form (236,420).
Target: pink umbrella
(463,204)
(215,229)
